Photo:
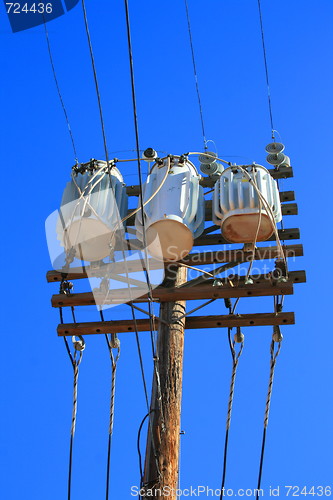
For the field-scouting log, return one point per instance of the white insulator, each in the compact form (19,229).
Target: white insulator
(91,212)
(239,337)
(176,214)
(275,158)
(286,162)
(207,158)
(209,166)
(237,208)
(275,147)
(149,155)
(213,170)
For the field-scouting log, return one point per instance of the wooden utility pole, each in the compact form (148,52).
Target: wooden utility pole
(162,453)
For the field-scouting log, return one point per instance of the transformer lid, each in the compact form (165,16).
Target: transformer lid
(169,240)
(242,228)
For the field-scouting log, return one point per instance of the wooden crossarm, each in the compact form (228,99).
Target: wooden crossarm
(202,291)
(194,259)
(192,323)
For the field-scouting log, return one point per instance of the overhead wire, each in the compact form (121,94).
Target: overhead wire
(75,363)
(274,354)
(266,70)
(108,164)
(112,344)
(59,92)
(268,84)
(150,301)
(92,58)
(136,130)
(138,444)
(195,75)
(75,360)
(235,358)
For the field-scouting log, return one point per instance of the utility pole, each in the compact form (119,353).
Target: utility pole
(162,452)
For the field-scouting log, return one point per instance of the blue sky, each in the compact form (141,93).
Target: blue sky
(36,374)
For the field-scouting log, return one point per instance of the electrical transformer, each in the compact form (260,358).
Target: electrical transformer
(174,209)
(91,211)
(244,216)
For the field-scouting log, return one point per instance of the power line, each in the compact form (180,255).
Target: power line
(96,80)
(112,343)
(136,128)
(266,70)
(59,92)
(195,75)
(75,359)
(235,358)
(137,143)
(151,316)
(75,362)
(107,160)
(138,445)
(274,355)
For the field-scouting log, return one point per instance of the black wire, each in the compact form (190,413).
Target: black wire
(195,75)
(137,143)
(108,468)
(68,350)
(107,160)
(229,338)
(136,127)
(69,486)
(65,339)
(114,361)
(226,438)
(266,70)
(261,461)
(140,359)
(224,462)
(70,462)
(138,445)
(110,437)
(96,82)
(59,92)
(268,400)
(69,479)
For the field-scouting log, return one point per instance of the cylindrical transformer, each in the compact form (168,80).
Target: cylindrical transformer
(237,208)
(91,211)
(176,214)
